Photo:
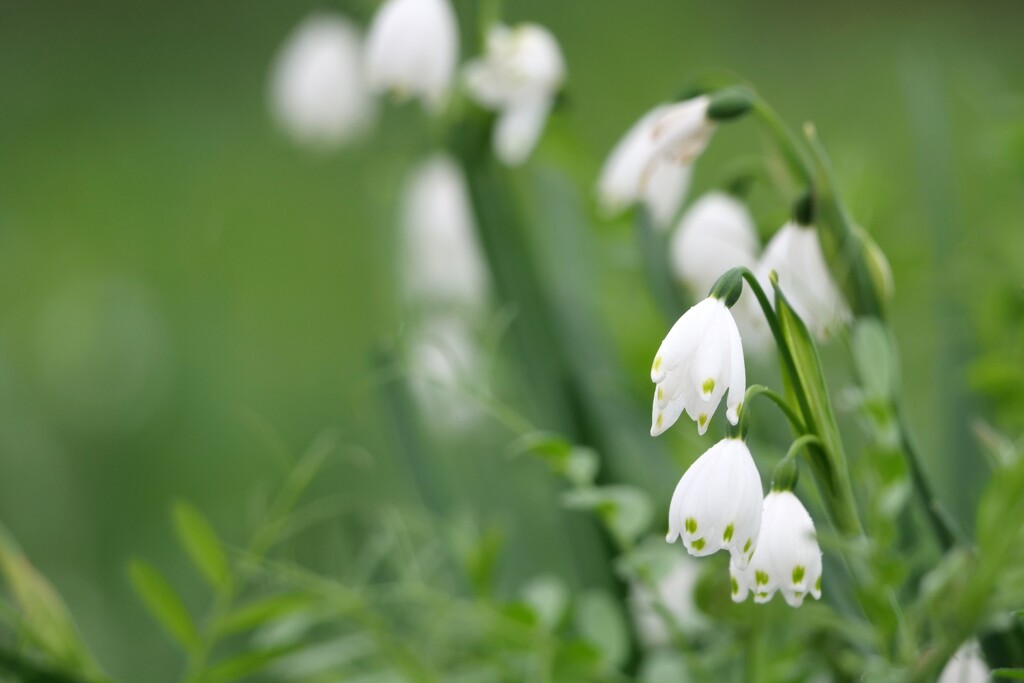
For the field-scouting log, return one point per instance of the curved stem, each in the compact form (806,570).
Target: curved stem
(773,324)
(785,140)
(761,390)
(800,443)
(944,533)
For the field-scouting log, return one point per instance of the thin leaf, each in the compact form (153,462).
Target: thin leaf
(202,545)
(248,663)
(1012,674)
(163,603)
(261,612)
(44,617)
(600,620)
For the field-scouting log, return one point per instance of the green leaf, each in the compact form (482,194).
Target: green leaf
(163,603)
(548,597)
(626,510)
(599,619)
(248,663)
(578,464)
(828,462)
(261,612)
(202,545)
(1012,674)
(45,619)
(874,355)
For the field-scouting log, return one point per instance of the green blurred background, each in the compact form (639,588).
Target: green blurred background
(186,295)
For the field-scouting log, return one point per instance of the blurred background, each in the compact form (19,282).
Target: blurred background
(189,299)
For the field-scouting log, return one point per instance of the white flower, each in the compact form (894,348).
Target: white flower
(441,258)
(717,503)
(787,557)
(700,358)
(966,666)
(650,163)
(412,49)
(317,90)
(518,76)
(673,591)
(795,254)
(444,356)
(715,234)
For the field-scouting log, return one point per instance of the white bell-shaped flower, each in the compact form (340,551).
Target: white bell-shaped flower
(318,92)
(715,234)
(795,254)
(651,162)
(966,666)
(717,503)
(518,76)
(699,360)
(787,557)
(442,262)
(412,50)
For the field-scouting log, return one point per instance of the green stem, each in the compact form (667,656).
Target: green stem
(786,142)
(760,390)
(800,443)
(944,532)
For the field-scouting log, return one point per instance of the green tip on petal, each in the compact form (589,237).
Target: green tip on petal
(727,536)
(691,525)
(798,574)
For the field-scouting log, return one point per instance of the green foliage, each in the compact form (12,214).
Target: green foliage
(203,548)
(164,604)
(41,619)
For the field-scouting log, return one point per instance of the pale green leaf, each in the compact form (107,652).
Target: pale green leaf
(202,545)
(163,603)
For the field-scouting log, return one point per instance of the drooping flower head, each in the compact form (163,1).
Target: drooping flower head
(412,50)
(518,76)
(717,503)
(966,666)
(442,262)
(787,557)
(700,359)
(795,254)
(651,162)
(318,92)
(715,234)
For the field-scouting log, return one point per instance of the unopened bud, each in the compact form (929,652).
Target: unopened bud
(730,104)
(728,287)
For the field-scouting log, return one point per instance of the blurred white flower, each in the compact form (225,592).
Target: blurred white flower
(441,258)
(716,234)
(518,76)
(700,358)
(675,592)
(650,163)
(412,50)
(966,666)
(318,93)
(795,254)
(787,557)
(717,503)
(443,357)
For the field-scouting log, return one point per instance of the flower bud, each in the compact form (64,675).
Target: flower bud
(730,104)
